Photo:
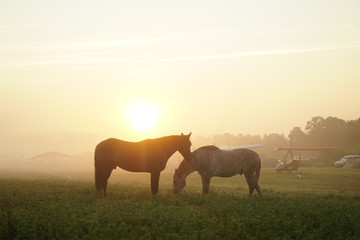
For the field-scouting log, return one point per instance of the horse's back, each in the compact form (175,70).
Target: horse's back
(239,155)
(114,145)
(131,156)
(226,163)
(250,157)
(111,147)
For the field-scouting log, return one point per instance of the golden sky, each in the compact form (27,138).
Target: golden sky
(209,67)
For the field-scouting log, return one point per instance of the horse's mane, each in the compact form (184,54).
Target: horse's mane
(209,148)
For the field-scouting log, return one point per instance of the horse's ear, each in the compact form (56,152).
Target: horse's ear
(189,134)
(182,134)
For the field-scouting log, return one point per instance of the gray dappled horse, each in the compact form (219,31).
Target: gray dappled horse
(149,155)
(210,161)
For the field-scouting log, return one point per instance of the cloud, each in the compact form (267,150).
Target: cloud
(77,52)
(30,26)
(105,44)
(78,61)
(349,11)
(87,45)
(281,51)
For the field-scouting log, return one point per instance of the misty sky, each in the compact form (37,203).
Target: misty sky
(208,67)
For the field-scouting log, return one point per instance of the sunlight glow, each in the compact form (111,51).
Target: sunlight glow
(142,115)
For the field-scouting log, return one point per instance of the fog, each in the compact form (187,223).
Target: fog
(67,153)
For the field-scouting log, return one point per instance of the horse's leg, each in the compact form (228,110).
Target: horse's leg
(155,182)
(205,184)
(250,179)
(98,178)
(106,174)
(258,189)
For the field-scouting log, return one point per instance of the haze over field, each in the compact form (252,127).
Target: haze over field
(143,69)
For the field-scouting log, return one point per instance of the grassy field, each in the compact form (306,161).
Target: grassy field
(323,204)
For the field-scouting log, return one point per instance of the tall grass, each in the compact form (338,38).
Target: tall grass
(323,204)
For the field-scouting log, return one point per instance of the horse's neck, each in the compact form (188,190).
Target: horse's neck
(170,145)
(186,168)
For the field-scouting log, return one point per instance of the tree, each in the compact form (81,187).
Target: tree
(314,124)
(298,137)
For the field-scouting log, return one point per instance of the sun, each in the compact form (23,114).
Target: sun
(142,115)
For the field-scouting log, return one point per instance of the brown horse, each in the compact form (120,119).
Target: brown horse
(149,155)
(210,161)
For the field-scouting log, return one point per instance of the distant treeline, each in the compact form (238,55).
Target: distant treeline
(329,132)
(318,132)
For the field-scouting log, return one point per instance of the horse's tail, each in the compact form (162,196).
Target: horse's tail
(257,171)
(98,174)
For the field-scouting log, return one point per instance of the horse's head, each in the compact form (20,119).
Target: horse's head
(184,147)
(178,181)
